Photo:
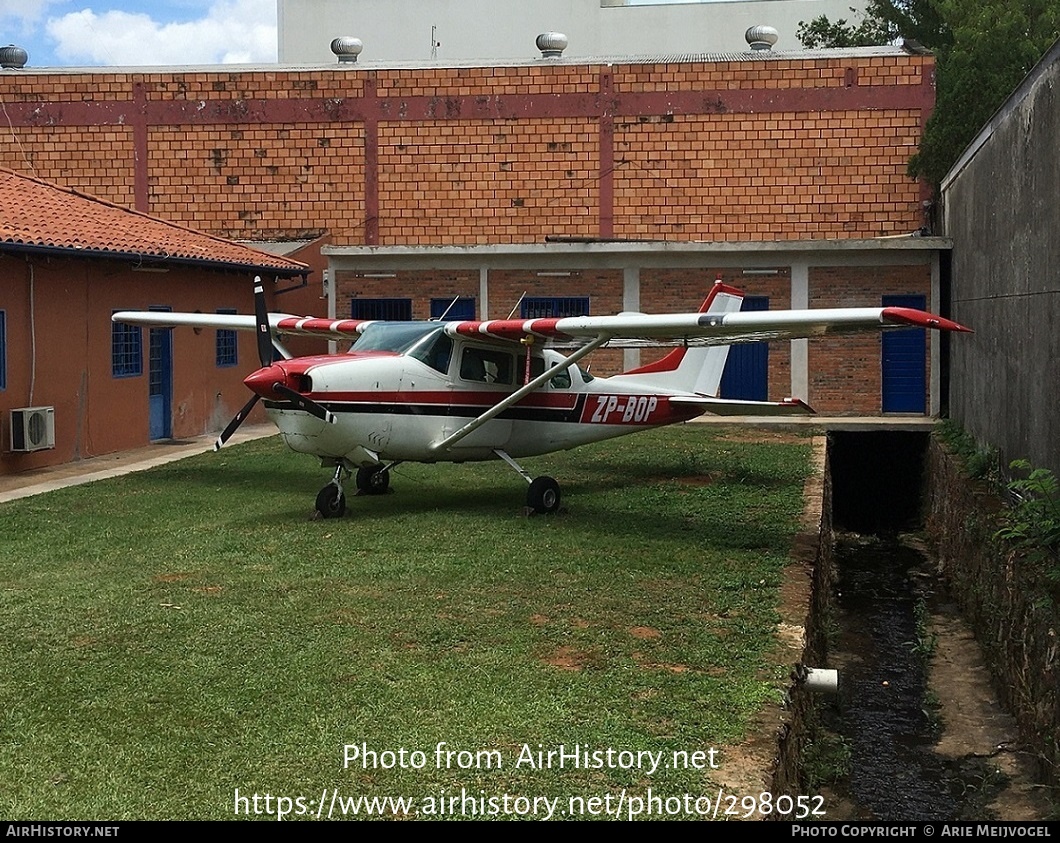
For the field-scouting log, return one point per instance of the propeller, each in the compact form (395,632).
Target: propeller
(266,377)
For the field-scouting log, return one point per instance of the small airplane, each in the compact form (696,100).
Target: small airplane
(464,391)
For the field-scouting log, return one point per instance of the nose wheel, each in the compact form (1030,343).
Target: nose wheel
(331,500)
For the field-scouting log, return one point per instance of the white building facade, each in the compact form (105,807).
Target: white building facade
(502,30)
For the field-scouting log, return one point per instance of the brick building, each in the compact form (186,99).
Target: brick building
(599,185)
(72,384)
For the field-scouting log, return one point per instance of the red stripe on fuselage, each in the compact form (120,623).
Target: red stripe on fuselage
(446,398)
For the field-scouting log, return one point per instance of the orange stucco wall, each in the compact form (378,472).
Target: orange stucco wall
(59,353)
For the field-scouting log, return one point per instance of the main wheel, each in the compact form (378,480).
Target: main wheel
(373,480)
(543,496)
(331,502)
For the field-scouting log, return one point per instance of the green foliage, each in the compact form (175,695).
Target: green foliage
(980,461)
(883,22)
(982,52)
(821,32)
(995,43)
(1031,524)
(825,760)
(926,640)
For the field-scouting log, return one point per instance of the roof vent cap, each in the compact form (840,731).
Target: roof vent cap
(761,37)
(12,57)
(551,44)
(347,48)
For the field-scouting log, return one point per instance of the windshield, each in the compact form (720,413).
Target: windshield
(398,337)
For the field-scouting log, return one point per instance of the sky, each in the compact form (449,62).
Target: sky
(76,33)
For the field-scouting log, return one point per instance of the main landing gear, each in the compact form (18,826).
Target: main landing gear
(373,480)
(543,495)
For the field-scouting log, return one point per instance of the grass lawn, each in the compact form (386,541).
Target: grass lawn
(173,636)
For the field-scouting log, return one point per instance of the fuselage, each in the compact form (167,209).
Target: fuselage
(399,392)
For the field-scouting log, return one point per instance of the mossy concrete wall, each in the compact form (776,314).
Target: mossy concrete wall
(1003,597)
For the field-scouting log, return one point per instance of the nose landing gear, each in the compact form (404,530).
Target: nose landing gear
(331,500)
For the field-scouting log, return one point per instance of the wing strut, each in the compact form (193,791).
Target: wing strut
(518,395)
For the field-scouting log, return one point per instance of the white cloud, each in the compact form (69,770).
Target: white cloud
(231,31)
(24,12)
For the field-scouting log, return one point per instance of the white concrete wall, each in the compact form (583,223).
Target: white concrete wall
(499,30)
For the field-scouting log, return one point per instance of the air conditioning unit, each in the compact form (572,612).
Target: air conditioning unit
(32,429)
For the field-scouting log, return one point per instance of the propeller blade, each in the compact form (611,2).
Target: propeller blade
(261,315)
(303,403)
(235,423)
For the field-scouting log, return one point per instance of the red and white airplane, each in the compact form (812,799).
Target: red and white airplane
(502,389)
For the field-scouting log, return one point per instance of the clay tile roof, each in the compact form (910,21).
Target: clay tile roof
(36,215)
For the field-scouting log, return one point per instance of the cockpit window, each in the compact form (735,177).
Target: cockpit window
(434,351)
(397,337)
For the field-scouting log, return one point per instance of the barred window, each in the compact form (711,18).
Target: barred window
(126,350)
(553,307)
(227,344)
(390,310)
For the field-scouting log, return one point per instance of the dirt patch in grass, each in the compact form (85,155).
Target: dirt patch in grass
(571,658)
(762,434)
(178,576)
(645,632)
(642,662)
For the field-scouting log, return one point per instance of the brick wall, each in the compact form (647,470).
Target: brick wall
(845,372)
(744,150)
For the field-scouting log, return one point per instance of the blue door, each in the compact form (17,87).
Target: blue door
(160,380)
(904,381)
(746,375)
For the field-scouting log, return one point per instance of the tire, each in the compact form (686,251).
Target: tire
(373,480)
(331,502)
(543,496)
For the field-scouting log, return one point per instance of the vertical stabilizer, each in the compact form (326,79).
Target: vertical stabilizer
(696,370)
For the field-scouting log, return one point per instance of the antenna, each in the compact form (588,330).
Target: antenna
(523,296)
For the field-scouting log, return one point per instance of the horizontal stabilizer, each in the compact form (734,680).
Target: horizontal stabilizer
(735,407)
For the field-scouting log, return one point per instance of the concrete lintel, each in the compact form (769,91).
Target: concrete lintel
(881,251)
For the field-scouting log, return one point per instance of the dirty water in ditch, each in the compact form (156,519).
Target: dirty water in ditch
(915,718)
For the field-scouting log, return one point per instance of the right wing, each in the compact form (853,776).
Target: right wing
(281,323)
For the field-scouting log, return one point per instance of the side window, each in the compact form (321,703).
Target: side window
(227,345)
(561,380)
(126,350)
(486,366)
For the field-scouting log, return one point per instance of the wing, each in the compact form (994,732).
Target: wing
(704,329)
(282,323)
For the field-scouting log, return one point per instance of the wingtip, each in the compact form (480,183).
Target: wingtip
(922,319)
